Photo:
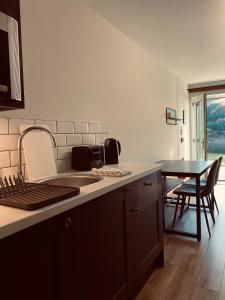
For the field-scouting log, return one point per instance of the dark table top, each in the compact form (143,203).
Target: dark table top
(188,168)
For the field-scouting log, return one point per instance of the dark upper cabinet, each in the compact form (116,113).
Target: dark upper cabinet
(11,67)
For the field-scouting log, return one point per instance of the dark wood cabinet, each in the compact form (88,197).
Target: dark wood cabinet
(98,253)
(144,229)
(11,71)
(94,246)
(102,250)
(69,253)
(29,263)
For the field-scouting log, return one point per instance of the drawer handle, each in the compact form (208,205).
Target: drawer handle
(135,210)
(67,223)
(130,190)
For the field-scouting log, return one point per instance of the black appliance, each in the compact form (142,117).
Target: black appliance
(84,158)
(112,151)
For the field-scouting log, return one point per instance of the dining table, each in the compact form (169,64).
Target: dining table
(182,169)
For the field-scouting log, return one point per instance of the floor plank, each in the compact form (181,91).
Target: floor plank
(222,288)
(168,283)
(204,294)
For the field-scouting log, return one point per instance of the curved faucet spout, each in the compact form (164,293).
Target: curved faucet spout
(23,134)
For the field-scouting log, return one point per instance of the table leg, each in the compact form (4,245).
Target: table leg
(198,210)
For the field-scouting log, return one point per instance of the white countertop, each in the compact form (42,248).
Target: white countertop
(13,220)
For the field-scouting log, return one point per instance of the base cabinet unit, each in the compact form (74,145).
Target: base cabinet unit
(94,246)
(102,250)
(29,263)
(144,229)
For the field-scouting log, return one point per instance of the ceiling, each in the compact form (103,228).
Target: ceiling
(188,37)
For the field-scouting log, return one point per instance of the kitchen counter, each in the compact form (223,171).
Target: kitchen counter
(13,220)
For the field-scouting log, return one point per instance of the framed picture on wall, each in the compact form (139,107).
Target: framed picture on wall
(171,116)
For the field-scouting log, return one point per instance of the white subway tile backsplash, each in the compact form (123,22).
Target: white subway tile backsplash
(94,127)
(81,127)
(14,158)
(60,139)
(4,159)
(10,171)
(62,165)
(100,138)
(102,127)
(4,126)
(14,125)
(51,124)
(65,127)
(97,127)
(64,152)
(70,164)
(88,139)
(74,139)
(67,135)
(9,142)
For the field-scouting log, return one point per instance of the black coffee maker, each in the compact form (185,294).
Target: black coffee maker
(112,151)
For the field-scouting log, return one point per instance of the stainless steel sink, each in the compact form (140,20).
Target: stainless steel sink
(72,180)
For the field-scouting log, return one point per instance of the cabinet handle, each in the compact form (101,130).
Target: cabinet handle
(135,210)
(130,190)
(67,223)
(147,184)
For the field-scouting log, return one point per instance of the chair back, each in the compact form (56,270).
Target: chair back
(218,168)
(210,183)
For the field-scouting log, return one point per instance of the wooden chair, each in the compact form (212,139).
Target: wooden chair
(169,184)
(203,183)
(205,192)
(220,159)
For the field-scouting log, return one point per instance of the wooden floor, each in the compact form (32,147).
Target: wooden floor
(192,270)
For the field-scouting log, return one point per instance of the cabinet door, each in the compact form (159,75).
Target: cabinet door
(28,264)
(69,255)
(144,223)
(93,251)
(104,270)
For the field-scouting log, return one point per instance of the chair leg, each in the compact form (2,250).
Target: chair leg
(210,209)
(175,213)
(205,213)
(214,200)
(189,199)
(182,206)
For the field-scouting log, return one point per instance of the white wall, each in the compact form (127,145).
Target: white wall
(79,67)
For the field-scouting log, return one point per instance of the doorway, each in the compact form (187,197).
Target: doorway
(198,127)
(215,124)
(208,127)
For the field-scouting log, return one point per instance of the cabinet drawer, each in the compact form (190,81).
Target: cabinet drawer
(147,186)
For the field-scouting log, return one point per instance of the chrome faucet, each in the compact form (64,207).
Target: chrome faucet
(24,132)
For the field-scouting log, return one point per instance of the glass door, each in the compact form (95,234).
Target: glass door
(215,123)
(198,127)
(208,128)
